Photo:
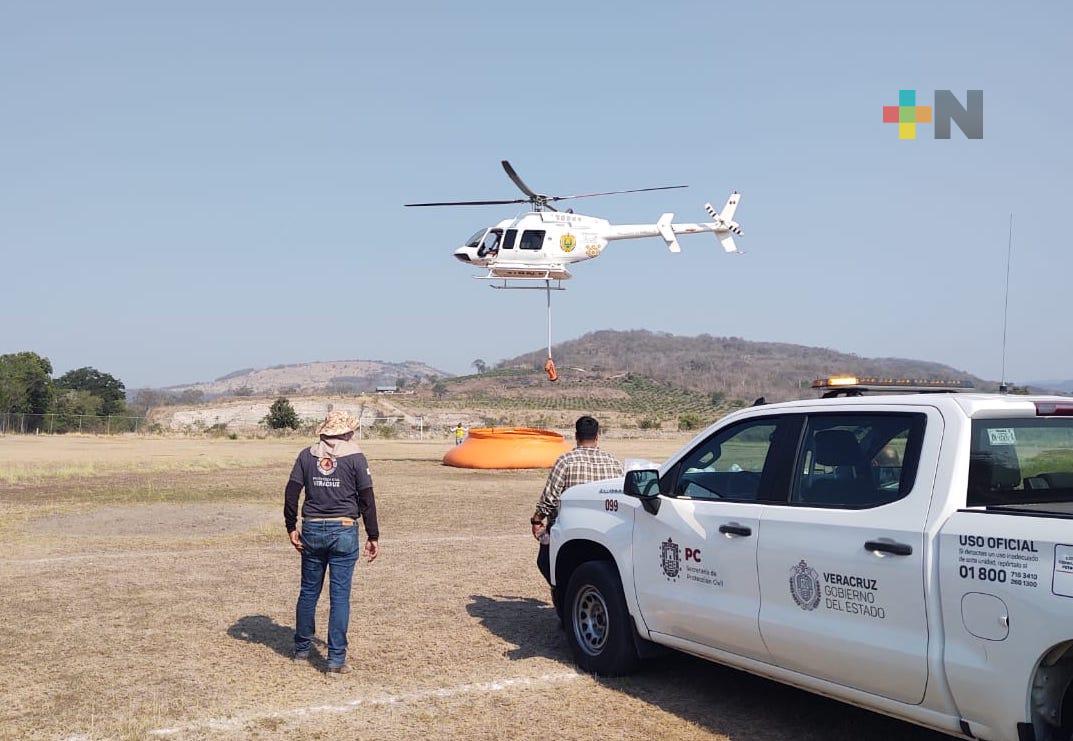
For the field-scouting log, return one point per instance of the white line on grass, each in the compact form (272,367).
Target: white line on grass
(479,688)
(231,548)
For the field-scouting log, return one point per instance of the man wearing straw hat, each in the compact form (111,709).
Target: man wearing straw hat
(338,489)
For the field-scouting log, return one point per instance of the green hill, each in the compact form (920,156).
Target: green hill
(730,366)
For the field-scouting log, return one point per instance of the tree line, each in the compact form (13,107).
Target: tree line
(27,387)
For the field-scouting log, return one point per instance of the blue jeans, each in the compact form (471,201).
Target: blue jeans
(327,545)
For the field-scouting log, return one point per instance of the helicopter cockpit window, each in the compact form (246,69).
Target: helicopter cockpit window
(490,244)
(532,240)
(508,238)
(475,240)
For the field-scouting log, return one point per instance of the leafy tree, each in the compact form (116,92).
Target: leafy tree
(104,386)
(439,389)
(480,365)
(69,405)
(25,383)
(281,415)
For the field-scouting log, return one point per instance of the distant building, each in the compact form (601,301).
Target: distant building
(387,389)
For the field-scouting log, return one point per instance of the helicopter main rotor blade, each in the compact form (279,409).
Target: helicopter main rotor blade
(615,192)
(521,183)
(469,203)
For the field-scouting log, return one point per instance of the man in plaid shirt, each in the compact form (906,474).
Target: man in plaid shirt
(581,465)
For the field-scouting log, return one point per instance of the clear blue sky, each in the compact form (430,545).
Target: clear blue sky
(193,187)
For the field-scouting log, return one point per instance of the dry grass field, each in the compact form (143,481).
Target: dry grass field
(147,591)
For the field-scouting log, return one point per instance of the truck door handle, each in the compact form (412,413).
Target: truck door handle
(741,530)
(895,549)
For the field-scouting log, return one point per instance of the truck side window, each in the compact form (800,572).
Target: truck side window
(857,461)
(1022,462)
(737,463)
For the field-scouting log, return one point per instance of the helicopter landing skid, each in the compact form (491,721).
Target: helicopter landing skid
(506,287)
(546,279)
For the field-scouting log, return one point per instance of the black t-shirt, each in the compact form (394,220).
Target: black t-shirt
(334,487)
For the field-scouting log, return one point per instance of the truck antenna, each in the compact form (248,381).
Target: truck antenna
(1003,388)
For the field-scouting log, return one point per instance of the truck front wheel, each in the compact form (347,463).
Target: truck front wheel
(598,624)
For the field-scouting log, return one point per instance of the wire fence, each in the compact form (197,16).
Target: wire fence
(19,423)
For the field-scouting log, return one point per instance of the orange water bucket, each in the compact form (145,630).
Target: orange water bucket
(508,447)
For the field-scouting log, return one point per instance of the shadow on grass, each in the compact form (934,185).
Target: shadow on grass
(529,624)
(719,699)
(263,630)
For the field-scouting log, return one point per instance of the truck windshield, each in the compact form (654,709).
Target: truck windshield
(1022,462)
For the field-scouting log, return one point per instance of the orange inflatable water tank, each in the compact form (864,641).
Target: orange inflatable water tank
(507,447)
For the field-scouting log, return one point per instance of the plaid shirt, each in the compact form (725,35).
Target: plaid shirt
(579,466)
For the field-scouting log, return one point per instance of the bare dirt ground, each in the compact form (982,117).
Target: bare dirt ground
(157,601)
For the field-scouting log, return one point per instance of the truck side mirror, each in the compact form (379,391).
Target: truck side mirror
(645,486)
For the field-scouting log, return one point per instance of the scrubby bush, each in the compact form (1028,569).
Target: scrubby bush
(384,429)
(689,421)
(648,423)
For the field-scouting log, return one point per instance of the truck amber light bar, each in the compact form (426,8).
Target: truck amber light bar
(1054,408)
(871,382)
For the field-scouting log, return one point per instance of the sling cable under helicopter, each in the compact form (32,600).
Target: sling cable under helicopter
(538,245)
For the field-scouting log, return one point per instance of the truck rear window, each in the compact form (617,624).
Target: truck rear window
(1021,462)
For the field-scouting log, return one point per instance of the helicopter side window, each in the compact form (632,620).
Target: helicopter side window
(490,245)
(532,240)
(508,238)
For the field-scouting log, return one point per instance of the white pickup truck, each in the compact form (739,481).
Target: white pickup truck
(907,553)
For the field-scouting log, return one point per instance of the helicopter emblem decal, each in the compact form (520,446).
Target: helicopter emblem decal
(567,242)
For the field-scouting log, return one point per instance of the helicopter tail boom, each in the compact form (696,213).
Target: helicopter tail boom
(722,224)
(665,229)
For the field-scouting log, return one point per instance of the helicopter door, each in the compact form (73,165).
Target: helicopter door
(532,239)
(490,243)
(509,238)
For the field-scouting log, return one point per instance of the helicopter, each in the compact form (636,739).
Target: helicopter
(538,246)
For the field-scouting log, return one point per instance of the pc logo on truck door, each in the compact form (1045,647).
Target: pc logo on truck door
(805,586)
(670,559)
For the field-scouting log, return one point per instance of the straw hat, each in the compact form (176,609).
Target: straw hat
(337,423)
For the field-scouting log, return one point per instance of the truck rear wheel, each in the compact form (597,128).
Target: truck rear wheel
(598,624)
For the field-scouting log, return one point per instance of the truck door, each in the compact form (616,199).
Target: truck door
(695,559)
(841,565)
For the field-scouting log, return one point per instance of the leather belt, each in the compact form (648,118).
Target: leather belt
(346,521)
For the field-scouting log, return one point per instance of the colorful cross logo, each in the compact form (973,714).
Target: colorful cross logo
(907,114)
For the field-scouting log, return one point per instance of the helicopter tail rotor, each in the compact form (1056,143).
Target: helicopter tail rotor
(724,220)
